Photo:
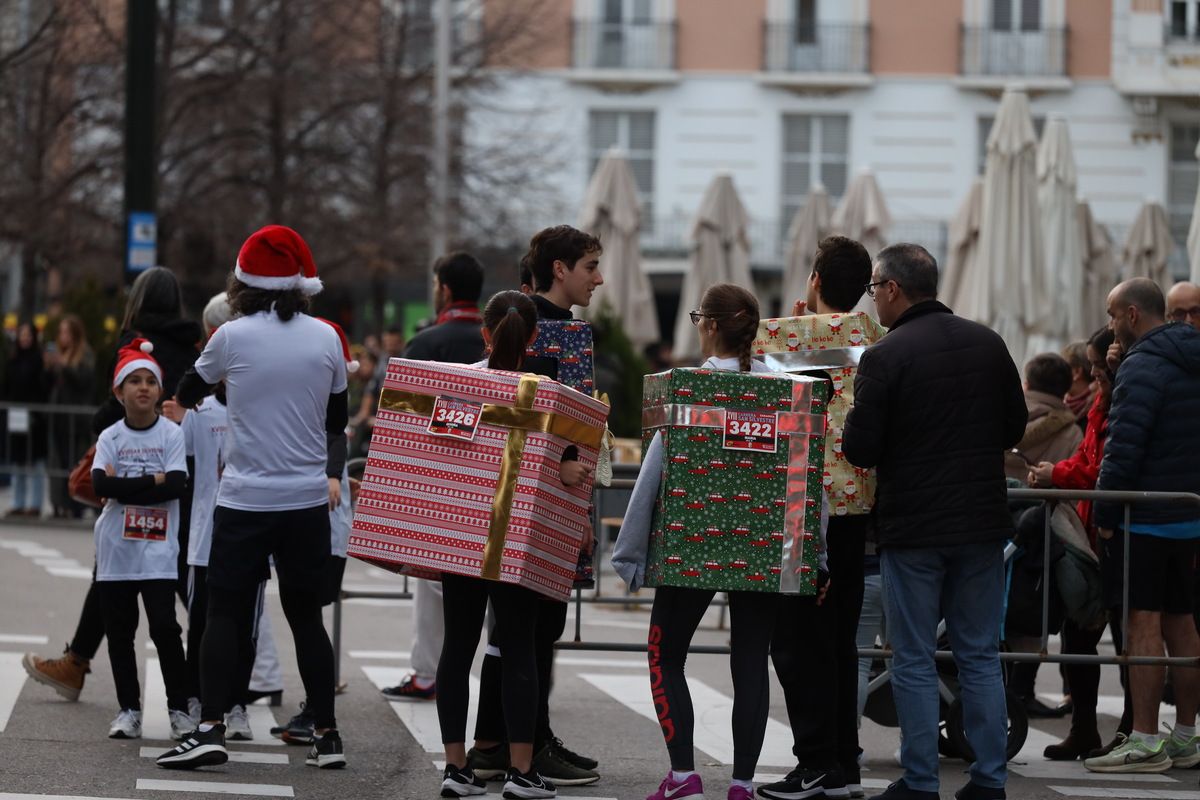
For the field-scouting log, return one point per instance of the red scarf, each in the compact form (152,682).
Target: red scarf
(460,311)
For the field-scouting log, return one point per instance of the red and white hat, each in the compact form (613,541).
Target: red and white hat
(135,356)
(351,364)
(275,258)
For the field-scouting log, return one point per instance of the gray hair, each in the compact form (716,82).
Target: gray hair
(912,268)
(216,313)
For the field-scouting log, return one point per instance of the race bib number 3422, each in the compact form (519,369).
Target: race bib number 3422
(751,430)
(146,524)
(455,418)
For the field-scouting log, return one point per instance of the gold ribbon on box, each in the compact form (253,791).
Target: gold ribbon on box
(801,425)
(520,419)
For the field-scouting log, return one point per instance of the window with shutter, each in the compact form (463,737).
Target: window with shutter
(1183,176)
(633,133)
(816,149)
(805,21)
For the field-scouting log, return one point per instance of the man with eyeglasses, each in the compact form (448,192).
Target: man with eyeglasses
(937,402)
(1183,304)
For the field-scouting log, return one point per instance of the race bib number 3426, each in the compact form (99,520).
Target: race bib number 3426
(146,524)
(455,418)
(751,430)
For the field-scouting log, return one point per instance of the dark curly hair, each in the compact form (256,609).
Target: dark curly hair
(560,243)
(245,300)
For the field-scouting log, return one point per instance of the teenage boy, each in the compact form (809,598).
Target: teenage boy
(565,266)
(285,381)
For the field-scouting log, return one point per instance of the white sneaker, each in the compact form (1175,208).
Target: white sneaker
(237,725)
(194,708)
(181,724)
(127,725)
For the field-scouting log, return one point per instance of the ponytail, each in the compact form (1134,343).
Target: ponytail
(735,312)
(511,318)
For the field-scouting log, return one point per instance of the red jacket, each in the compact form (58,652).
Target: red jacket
(1081,470)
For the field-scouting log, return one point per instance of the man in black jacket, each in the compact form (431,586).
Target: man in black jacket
(1151,446)
(454,337)
(936,403)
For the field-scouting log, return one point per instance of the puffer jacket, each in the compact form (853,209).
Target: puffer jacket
(1153,436)
(936,403)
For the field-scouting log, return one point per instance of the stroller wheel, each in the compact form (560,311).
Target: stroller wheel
(1018,728)
(946,745)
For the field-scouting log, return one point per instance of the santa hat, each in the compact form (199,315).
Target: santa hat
(275,258)
(135,356)
(351,364)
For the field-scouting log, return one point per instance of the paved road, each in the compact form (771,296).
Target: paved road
(49,747)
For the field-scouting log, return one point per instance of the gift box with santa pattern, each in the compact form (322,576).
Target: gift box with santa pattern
(739,504)
(827,345)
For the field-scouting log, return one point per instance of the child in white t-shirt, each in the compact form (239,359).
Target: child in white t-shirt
(141,469)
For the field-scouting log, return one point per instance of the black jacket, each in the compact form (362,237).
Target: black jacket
(456,341)
(176,347)
(936,403)
(1154,426)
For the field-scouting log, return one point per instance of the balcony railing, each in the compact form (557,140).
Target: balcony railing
(1182,35)
(797,47)
(989,52)
(642,46)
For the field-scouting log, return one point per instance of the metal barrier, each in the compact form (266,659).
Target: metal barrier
(1051,496)
(64,431)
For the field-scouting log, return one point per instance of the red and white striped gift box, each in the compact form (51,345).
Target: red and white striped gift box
(428,503)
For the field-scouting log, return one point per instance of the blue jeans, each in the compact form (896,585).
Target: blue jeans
(870,626)
(29,488)
(963,584)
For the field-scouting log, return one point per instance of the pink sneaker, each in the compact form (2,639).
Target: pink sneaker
(740,793)
(671,789)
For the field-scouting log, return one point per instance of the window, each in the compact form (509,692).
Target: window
(1183,22)
(816,149)
(1016,15)
(806,21)
(985,130)
(633,133)
(1183,175)
(636,12)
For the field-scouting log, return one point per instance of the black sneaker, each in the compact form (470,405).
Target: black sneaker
(529,785)
(550,764)
(900,791)
(408,689)
(300,729)
(805,782)
(461,782)
(327,752)
(973,791)
(488,763)
(571,757)
(198,749)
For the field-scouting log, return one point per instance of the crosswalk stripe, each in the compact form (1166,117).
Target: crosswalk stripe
(240,756)
(713,712)
(381,655)
(615,663)
(1126,794)
(24,796)
(214,787)
(262,719)
(419,716)
(1074,771)
(21,638)
(79,573)
(12,678)
(156,724)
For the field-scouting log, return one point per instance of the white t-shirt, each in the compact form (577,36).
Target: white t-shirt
(278,378)
(204,430)
(139,543)
(340,519)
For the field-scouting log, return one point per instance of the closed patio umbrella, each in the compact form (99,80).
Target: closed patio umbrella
(612,213)
(720,254)
(809,226)
(961,285)
(1100,269)
(863,213)
(1148,246)
(1193,238)
(1061,320)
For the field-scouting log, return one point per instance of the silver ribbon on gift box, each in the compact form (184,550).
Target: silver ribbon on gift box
(805,360)
(801,425)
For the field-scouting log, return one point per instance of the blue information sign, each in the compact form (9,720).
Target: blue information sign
(141,241)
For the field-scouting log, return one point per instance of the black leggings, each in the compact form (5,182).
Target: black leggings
(119,605)
(673,620)
(489,719)
(197,608)
(464,604)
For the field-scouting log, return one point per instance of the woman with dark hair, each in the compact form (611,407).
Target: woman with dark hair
(509,326)
(727,321)
(25,382)
(72,370)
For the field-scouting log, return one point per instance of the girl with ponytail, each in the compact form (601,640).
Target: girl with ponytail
(509,326)
(727,321)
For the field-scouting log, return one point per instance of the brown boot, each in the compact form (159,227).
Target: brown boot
(1077,745)
(64,675)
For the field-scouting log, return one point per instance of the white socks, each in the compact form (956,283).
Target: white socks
(1148,739)
(1182,733)
(682,776)
(748,785)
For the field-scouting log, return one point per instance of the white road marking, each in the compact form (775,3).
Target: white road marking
(22,638)
(1126,794)
(240,756)
(214,787)
(382,655)
(48,558)
(12,678)
(419,716)
(615,663)
(23,796)
(79,573)
(156,724)
(714,717)
(262,719)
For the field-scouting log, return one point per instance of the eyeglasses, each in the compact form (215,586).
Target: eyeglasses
(698,315)
(870,287)
(1180,314)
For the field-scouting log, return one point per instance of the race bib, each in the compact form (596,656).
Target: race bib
(146,524)
(455,418)
(751,430)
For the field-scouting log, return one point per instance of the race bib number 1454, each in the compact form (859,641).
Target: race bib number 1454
(146,524)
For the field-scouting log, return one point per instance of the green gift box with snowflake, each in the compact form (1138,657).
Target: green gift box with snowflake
(739,504)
